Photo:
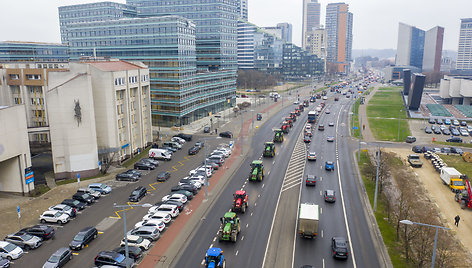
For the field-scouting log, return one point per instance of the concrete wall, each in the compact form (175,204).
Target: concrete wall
(403,45)
(14,150)
(444,88)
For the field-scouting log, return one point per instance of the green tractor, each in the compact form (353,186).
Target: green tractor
(257,171)
(278,135)
(269,149)
(229,228)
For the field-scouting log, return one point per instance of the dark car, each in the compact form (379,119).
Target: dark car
(133,252)
(144,165)
(74,203)
(59,258)
(206,129)
(410,139)
(455,132)
(186,137)
(339,247)
(446,131)
(463,123)
(259,117)
(44,232)
(180,205)
(137,194)
(82,238)
(82,197)
(226,134)
(321,127)
(431,120)
(134,172)
(310,180)
(187,187)
(193,150)
(163,176)
(113,258)
(426,149)
(330,196)
(4,263)
(188,194)
(428,130)
(307,139)
(124,176)
(439,121)
(170,149)
(456,150)
(436,130)
(454,139)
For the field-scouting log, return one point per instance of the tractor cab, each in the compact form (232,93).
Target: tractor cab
(297,112)
(269,149)
(278,135)
(257,171)
(229,228)
(214,258)
(289,120)
(285,127)
(240,201)
(293,115)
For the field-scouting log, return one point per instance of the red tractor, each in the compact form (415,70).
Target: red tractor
(240,201)
(464,197)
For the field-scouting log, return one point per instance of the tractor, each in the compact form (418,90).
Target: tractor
(464,197)
(293,115)
(278,135)
(285,127)
(289,120)
(269,149)
(257,171)
(229,228)
(214,258)
(239,201)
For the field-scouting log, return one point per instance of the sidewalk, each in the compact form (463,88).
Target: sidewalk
(366,132)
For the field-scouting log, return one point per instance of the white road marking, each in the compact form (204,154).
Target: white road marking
(251,213)
(214,239)
(211,245)
(237,251)
(255,204)
(273,162)
(203,262)
(321,210)
(247,225)
(323,263)
(263,185)
(322,233)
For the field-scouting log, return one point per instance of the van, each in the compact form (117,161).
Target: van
(160,154)
(172,144)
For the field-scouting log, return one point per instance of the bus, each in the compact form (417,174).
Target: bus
(312,117)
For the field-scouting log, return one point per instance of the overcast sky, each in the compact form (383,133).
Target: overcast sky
(375,21)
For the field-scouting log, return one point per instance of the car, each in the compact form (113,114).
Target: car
(137,194)
(330,139)
(180,205)
(82,238)
(225,152)
(339,247)
(296,102)
(24,240)
(431,120)
(186,137)
(454,139)
(464,132)
(455,132)
(428,130)
(148,232)
(455,122)
(179,140)
(100,187)
(113,258)
(167,208)
(310,180)
(65,209)
(125,176)
(321,127)
(163,176)
(446,150)
(212,164)
(311,156)
(159,215)
(417,149)
(439,121)
(445,131)
(327,111)
(206,129)
(329,165)
(137,241)
(187,181)
(410,139)
(464,123)
(54,216)
(95,194)
(331,124)
(4,263)
(307,139)
(59,258)
(144,165)
(200,144)
(83,197)
(329,196)
(10,251)
(325,97)
(436,130)
(226,134)
(160,225)
(44,232)
(447,121)
(193,150)
(456,150)
(177,197)
(186,187)
(150,160)
(133,252)
(169,149)
(74,203)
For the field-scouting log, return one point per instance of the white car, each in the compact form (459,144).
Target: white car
(159,224)
(10,251)
(226,149)
(100,187)
(198,178)
(137,241)
(179,140)
(202,170)
(64,209)
(157,215)
(325,97)
(177,197)
(218,152)
(296,102)
(464,132)
(91,192)
(195,183)
(54,216)
(171,209)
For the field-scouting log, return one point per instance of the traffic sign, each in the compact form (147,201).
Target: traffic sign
(355,128)
(19,212)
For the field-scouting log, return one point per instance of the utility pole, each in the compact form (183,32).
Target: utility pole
(242,132)
(377,180)
(360,137)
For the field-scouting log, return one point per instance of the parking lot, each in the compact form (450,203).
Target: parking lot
(419,127)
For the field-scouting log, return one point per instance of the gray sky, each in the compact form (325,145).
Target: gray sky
(375,21)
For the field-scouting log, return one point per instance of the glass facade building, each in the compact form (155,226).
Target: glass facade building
(49,54)
(299,63)
(464,52)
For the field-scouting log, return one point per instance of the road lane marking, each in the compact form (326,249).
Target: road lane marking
(321,233)
(181,164)
(214,239)
(247,225)
(242,238)
(237,251)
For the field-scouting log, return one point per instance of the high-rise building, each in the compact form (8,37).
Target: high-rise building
(243,9)
(339,37)
(44,55)
(286,31)
(464,53)
(311,17)
(246,32)
(299,63)
(433,43)
(410,46)
(316,43)
(275,31)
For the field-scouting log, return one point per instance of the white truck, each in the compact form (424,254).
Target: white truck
(308,219)
(452,178)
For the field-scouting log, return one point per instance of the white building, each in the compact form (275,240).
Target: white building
(311,18)
(15,157)
(457,88)
(464,53)
(316,43)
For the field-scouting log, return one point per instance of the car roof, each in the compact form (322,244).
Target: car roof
(330,192)
(146,228)
(86,229)
(61,250)
(133,237)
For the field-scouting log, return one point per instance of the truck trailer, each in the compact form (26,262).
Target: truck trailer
(308,219)
(452,178)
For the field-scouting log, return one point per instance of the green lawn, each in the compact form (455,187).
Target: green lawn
(355,119)
(455,144)
(386,105)
(458,163)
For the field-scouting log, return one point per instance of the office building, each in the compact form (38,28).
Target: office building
(311,17)
(316,43)
(433,42)
(275,31)
(464,53)
(298,63)
(339,37)
(246,32)
(410,46)
(243,9)
(44,55)
(286,31)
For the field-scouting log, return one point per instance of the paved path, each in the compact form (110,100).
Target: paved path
(366,132)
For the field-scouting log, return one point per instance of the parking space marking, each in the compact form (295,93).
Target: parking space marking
(151,185)
(181,164)
(121,210)
(75,253)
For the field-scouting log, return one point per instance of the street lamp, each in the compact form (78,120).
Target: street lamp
(124,207)
(399,114)
(435,236)
(205,163)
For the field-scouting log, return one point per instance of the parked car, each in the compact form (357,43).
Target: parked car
(160,225)
(310,180)
(177,197)
(187,187)
(44,232)
(100,187)
(463,123)
(138,193)
(95,194)
(74,203)
(186,137)
(82,238)
(59,258)
(454,139)
(178,139)
(445,131)
(82,197)
(4,263)
(226,134)
(171,209)
(65,209)
(456,150)
(54,216)
(133,252)
(148,232)
(113,258)
(428,130)
(431,120)
(455,132)
(10,251)
(135,172)
(329,196)
(159,215)
(339,247)
(439,121)
(417,149)
(163,176)
(455,122)
(436,130)
(410,139)
(125,176)
(447,121)
(24,240)
(143,165)
(137,241)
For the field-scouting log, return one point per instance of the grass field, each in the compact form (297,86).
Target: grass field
(355,120)
(454,144)
(458,163)
(387,116)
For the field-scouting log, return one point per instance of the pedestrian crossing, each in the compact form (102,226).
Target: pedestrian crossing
(296,166)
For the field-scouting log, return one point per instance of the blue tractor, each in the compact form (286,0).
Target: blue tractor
(214,258)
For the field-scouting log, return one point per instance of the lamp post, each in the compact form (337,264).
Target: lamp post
(398,137)
(124,207)
(435,236)
(205,163)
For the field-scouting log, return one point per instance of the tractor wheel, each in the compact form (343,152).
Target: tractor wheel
(220,236)
(456,198)
(243,208)
(239,228)
(463,204)
(234,237)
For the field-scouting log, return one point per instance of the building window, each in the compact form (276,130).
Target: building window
(18,101)
(33,76)
(14,77)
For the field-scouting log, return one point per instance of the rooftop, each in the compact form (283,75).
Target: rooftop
(114,66)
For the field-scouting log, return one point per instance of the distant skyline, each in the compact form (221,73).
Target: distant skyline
(375,22)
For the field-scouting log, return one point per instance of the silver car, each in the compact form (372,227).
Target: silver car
(147,232)
(24,240)
(91,192)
